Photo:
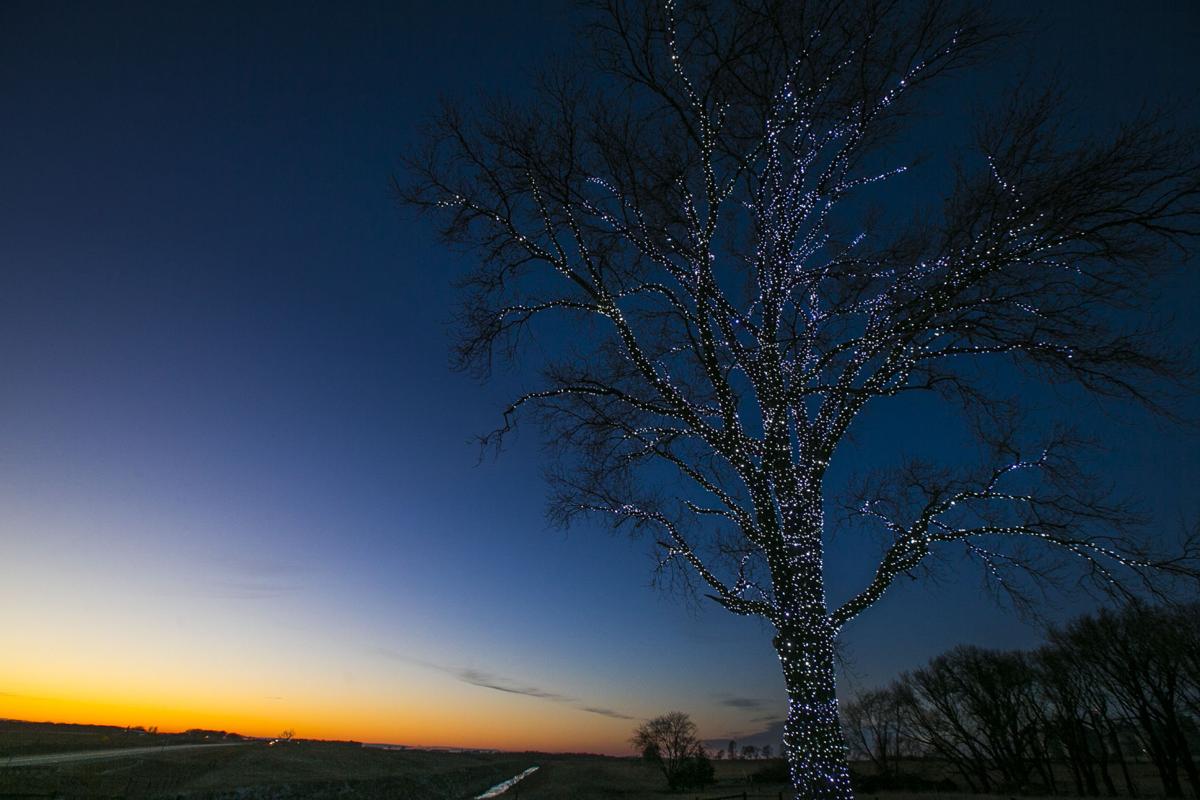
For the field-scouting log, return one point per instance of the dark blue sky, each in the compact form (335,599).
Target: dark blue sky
(225,382)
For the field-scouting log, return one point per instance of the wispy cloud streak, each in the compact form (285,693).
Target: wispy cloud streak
(489,681)
(605,712)
(499,683)
(744,703)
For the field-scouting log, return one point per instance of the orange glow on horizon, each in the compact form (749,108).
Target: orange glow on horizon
(526,732)
(173,656)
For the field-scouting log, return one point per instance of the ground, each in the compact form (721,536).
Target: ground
(32,738)
(318,770)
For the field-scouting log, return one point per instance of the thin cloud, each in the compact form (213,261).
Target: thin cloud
(500,683)
(606,712)
(489,681)
(745,703)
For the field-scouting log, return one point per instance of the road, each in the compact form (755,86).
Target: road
(501,788)
(97,755)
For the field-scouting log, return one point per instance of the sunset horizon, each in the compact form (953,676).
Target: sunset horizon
(508,376)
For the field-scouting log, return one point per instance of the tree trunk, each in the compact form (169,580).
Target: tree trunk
(1075,775)
(967,777)
(812,734)
(981,772)
(1110,788)
(1189,764)
(1161,754)
(1085,753)
(1119,752)
(1103,753)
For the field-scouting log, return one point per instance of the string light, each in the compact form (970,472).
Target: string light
(806,359)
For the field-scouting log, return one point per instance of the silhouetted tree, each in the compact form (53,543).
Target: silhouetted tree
(1141,655)
(749,751)
(874,723)
(1073,717)
(766,751)
(1003,720)
(1188,619)
(695,772)
(942,725)
(669,741)
(980,711)
(689,207)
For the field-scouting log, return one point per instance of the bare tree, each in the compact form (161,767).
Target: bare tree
(687,215)
(1188,619)
(1002,718)
(1076,717)
(875,728)
(1140,656)
(939,713)
(668,741)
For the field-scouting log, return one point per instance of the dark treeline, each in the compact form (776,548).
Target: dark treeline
(1106,692)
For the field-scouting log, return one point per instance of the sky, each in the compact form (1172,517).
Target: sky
(236,484)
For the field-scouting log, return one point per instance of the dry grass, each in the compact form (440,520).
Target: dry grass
(594,778)
(320,770)
(304,770)
(33,738)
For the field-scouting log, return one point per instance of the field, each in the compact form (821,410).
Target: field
(317,770)
(597,778)
(303,770)
(32,738)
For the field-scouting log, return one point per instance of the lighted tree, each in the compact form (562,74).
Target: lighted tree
(688,218)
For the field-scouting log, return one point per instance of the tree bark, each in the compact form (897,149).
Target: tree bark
(1075,775)
(812,736)
(1104,753)
(1119,752)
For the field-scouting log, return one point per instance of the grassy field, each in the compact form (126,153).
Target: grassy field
(320,770)
(33,738)
(302,770)
(594,777)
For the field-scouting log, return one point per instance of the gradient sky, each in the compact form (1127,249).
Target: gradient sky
(236,489)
